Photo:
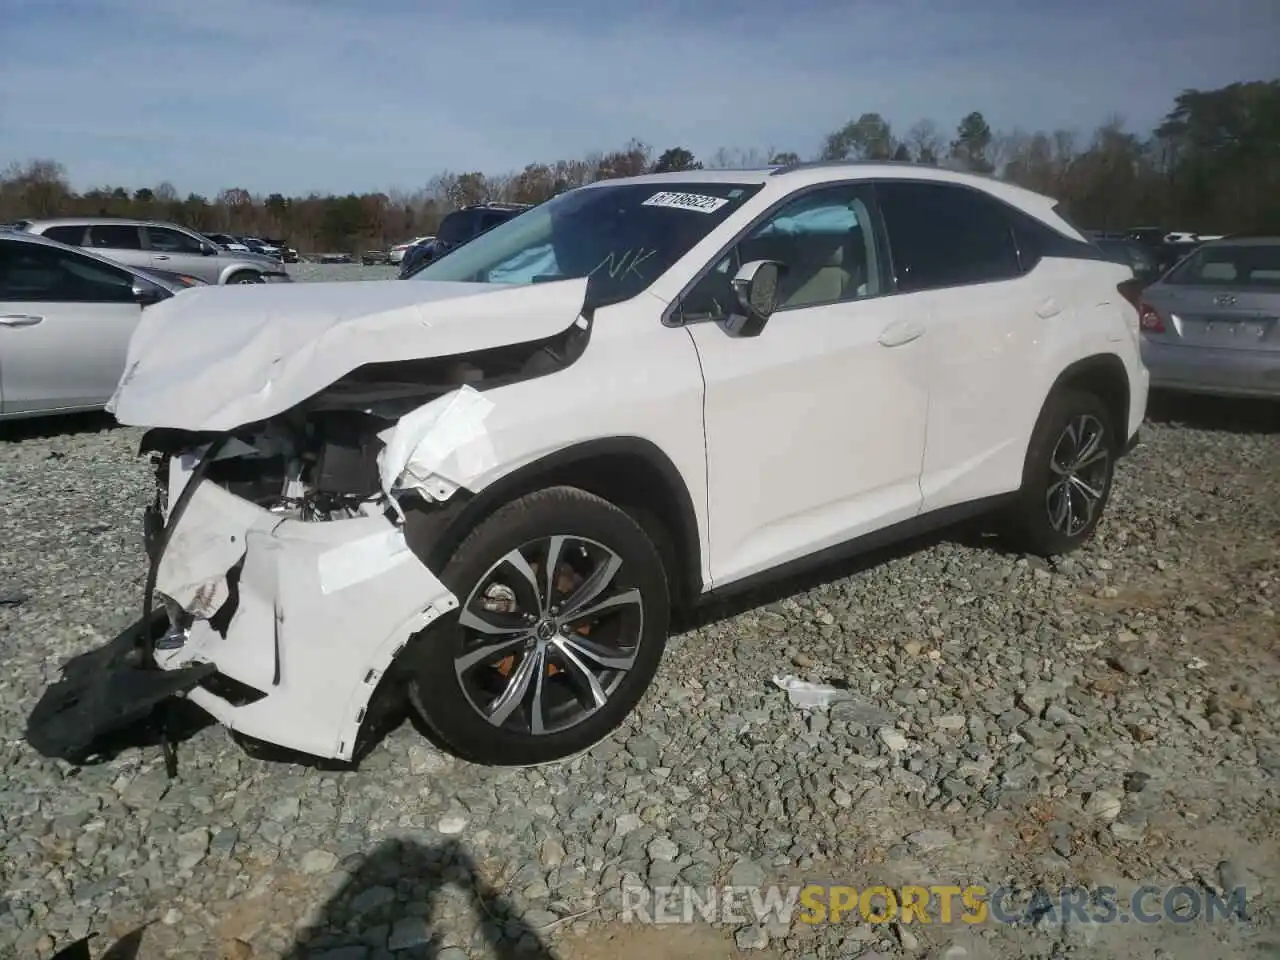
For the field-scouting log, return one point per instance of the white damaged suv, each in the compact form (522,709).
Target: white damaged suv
(490,486)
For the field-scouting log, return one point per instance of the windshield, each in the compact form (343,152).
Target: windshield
(622,237)
(1243,265)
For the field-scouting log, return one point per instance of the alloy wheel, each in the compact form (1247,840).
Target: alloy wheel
(549,633)
(1080,471)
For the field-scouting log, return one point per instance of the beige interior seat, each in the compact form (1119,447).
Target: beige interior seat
(817,271)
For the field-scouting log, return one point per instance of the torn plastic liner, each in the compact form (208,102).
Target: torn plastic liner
(105,690)
(811,696)
(439,445)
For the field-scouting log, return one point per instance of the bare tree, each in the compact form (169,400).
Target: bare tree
(925,142)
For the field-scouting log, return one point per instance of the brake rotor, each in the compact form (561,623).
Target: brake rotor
(499,598)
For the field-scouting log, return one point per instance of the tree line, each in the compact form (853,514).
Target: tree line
(1212,166)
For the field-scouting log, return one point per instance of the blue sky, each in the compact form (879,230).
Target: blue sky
(300,95)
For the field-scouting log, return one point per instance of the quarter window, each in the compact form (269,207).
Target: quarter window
(825,241)
(946,236)
(172,241)
(114,236)
(33,273)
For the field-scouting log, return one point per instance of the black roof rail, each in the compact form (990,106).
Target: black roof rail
(906,164)
(817,164)
(495,205)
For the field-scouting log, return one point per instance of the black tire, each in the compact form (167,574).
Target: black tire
(447,704)
(1035,520)
(245,276)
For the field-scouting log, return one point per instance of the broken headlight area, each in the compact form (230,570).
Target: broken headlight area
(320,460)
(316,467)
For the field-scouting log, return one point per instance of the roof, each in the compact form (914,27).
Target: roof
(8,233)
(105,221)
(821,171)
(40,240)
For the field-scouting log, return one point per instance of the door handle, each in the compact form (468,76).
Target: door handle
(1048,308)
(161,256)
(19,320)
(897,334)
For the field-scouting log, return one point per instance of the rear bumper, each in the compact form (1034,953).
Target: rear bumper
(1217,372)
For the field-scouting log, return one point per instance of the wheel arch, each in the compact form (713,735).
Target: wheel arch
(230,273)
(631,472)
(1105,376)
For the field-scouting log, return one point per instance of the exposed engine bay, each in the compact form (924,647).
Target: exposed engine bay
(319,460)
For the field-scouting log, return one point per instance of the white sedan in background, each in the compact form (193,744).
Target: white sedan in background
(396,253)
(66,317)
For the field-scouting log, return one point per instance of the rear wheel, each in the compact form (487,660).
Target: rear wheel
(1067,478)
(562,623)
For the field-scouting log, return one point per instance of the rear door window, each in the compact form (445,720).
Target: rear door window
(115,236)
(490,220)
(941,235)
(455,227)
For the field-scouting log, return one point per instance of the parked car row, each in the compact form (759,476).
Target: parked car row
(149,244)
(392,255)
(268,248)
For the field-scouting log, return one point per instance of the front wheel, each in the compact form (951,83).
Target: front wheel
(562,622)
(1067,477)
(245,276)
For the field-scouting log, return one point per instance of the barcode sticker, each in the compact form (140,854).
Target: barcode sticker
(686,201)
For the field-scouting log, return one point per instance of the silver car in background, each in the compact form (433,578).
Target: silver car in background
(149,244)
(1211,325)
(66,318)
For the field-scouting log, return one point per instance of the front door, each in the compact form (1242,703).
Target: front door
(815,428)
(65,325)
(181,253)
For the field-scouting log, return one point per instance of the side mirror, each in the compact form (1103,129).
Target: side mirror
(146,294)
(209,250)
(756,288)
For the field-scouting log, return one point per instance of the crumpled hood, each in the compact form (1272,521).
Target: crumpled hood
(217,357)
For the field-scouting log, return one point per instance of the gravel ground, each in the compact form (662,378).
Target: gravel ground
(1111,719)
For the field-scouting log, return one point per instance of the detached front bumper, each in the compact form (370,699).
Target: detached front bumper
(279,628)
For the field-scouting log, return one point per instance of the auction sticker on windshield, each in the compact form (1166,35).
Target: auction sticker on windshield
(686,201)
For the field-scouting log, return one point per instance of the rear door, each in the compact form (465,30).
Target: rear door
(956,262)
(121,242)
(65,324)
